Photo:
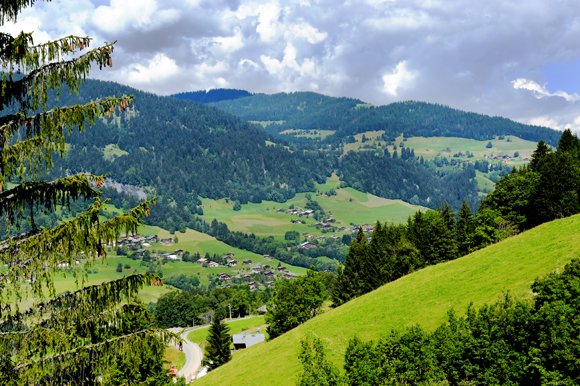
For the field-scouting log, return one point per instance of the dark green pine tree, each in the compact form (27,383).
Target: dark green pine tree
(465,226)
(81,336)
(568,142)
(349,278)
(374,259)
(219,339)
(542,150)
(403,257)
(448,217)
(560,177)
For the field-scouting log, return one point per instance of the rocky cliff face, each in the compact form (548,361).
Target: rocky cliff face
(131,190)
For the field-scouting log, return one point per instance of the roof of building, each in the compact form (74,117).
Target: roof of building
(248,339)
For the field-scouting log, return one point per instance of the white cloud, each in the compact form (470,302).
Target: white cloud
(400,77)
(305,31)
(288,63)
(230,43)
(268,21)
(541,91)
(556,122)
(142,14)
(401,19)
(158,69)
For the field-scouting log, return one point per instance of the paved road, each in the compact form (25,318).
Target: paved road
(193,357)
(192,351)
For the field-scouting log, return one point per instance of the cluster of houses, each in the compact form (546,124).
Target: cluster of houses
(265,270)
(298,211)
(175,255)
(228,257)
(136,240)
(503,158)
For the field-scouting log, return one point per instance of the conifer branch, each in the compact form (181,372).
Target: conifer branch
(11,9)
(51,249)
(13,202)
(45,133)
(51,76)
(95,298)
(67,363)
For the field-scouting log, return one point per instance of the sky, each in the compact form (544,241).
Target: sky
(519,59)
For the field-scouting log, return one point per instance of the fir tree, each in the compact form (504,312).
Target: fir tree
(542,150)
(218,350)
(81,336)
(350,277)
(568,142)
(465,226)
(448,217)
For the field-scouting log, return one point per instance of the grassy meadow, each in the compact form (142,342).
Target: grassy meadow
(192,241)
(112,151)
(309,133)
(264,124)
(249,325)
(423,297)
(349,206)
(173,357)
(431,147)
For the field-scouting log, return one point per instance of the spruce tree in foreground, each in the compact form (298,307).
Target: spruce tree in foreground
(85,336)
(219,339)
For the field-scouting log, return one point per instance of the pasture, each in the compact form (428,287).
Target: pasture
(423,297)
(348,206)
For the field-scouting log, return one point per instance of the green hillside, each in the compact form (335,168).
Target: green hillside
(348,206)
(423,297)
(303,113)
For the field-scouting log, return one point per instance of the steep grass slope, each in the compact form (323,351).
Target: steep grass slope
(423,297)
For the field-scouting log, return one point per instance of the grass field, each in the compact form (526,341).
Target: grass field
(423,297)
(483,182)
(173,357)
(249,325)
(264,124)
(309,133)
(112,151)
(349,206)
(432,147)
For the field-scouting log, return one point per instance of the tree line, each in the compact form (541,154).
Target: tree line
(182,308)
(547,189)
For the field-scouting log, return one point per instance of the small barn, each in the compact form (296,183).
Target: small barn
(242,341)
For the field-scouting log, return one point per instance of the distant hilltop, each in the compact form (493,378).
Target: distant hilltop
(212,96)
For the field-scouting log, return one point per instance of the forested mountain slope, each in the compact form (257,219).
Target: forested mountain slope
(423,297)
(347,117)
(212,96)
(183,149)
(180,147)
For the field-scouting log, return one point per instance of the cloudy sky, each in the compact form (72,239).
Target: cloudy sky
(519,58)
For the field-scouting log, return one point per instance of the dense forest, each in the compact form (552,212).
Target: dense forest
(347,117)
(212,96)
(200,304)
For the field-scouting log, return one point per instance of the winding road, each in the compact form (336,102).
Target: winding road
(192,351)
(193,355)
